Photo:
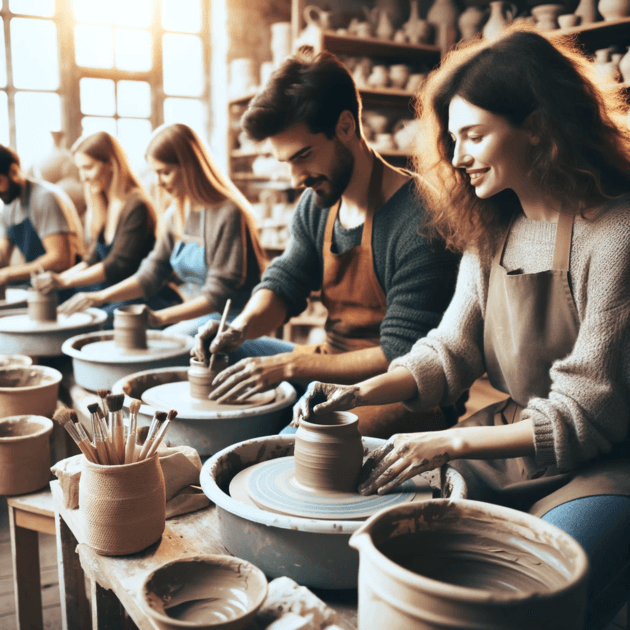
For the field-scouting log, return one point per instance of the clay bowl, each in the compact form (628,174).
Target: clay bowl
(205,592)
(24,453)
(29,390)
(15,360)
(313,552)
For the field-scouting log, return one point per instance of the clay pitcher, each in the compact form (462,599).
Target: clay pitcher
(501,14)
(587,10)
(614,9)
(417,31)
(443,16)
(471,22)
(329,452)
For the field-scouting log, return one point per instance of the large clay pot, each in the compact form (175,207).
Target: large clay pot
(443,15)
(29,390)
(471,22)
(546,16)
(24,454)
(122,508)
(614,9)
(439,564)
(587,10)
(329,452)
(501,14)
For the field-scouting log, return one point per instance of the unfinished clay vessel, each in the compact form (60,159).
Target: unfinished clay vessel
(29,390)
(467,564)
(42,307)
(328,452)
(130,327)
(614,9)
(24,454)
(200,377)
(122,508)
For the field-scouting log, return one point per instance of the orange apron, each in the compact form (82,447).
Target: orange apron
(356,307)
(531,321)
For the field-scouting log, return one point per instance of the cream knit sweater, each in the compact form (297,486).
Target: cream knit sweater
(588,408)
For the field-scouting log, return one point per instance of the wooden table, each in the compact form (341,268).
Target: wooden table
(116,581)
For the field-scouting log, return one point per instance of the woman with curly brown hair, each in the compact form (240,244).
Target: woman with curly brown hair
(527,163)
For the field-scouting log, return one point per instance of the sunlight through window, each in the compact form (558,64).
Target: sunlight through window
(41,8)
(34,67)
(182,63)
(181,15)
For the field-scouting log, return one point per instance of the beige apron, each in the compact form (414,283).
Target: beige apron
(356,307)
(531,321)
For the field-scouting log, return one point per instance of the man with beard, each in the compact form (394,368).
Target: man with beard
(39,219)
(354,237)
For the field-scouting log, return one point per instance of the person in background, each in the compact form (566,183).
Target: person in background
(39,219)
(120,219)
(209,239)
(353,237)
(530,163)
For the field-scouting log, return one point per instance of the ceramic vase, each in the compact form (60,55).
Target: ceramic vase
(418,31)
(398,75)
(546,16)
(471,22)
(501,14)
(624,66)
(443,16)
(606,69)
(329,452)
(384,28)
(614,9)
(587,10)
(395,10)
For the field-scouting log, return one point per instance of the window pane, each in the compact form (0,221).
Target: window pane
(133,50)
(132,12)
(134,136)
(181,15)
(34,66)
(134,99)
(3,57)
(43,8)
(188,111)
(92,125)
(4,119)
(36,115)
(97,97)
(182,51)
(93,11)
(93,46)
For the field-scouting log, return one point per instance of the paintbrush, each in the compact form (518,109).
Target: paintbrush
(102,394)
(100,441)
(67,418)
(130,448)
(117,427)
(226,310)
(158,418)
(172,414)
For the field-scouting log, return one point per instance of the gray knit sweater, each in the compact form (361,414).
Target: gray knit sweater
(417,279)
(587,411)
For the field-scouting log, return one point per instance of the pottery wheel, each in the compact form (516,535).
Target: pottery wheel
(272,486)
(109,351)
(177,395)
(24,324)
(14,297)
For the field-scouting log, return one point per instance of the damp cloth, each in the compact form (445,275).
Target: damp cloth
(181,466)
(290,606)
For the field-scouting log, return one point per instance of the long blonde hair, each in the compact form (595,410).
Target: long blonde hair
(103,147)
(203,182)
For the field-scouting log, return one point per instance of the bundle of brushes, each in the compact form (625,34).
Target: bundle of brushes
(114,443)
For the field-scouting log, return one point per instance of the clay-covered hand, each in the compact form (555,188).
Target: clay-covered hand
(80,302)
(47,282)
(320,397)
(207,341)
(153,319)
(404,456)
(251,376)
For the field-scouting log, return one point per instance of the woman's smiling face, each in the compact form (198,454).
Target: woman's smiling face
(494,153)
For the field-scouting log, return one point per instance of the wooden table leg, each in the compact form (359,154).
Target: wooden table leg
(26,578)
(75,610)
(107,611)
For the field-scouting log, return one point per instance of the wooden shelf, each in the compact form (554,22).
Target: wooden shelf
(372,47)
(598,34)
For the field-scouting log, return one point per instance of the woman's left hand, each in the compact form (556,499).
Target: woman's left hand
(404,456)
(47,281)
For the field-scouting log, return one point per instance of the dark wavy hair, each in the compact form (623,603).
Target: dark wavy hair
(582,159)
(310,88)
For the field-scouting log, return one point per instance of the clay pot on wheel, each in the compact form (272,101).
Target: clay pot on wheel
(130,327)
(42,307)
(200,377)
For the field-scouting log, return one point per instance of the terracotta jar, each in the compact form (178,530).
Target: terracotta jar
(42,307)
(329,452)
(24,454)
(130,327)
(122,508)
(431,565)
(614,9)
(501,14)
(200,377)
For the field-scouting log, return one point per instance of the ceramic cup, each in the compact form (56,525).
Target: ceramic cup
(200,377)
(42,307)
(130,327)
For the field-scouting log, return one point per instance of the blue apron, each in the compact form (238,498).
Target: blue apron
(188,261)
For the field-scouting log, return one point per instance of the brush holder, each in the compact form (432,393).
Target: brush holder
(42,307)
(123,508)
(130,327)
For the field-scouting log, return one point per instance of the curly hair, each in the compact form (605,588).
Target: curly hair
(582,159)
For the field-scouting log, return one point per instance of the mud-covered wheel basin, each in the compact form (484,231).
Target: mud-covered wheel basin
(28,390)
(467,564)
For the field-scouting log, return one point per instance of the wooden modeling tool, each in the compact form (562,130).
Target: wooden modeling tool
(172,414)
(130,447)
(97,431)
(67,418)
(117,427)
(159,417)
(226,310)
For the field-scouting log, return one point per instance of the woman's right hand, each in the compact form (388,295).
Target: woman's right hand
(47,281)
(80,302)
(322,397)
(207,341)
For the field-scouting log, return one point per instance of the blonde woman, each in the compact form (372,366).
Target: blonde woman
(208,240)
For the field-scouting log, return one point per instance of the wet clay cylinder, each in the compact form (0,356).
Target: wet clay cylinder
(42,307)
(463,564)
(122,508)
(130,327)
(328,452)
(24,454)
(200,377)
